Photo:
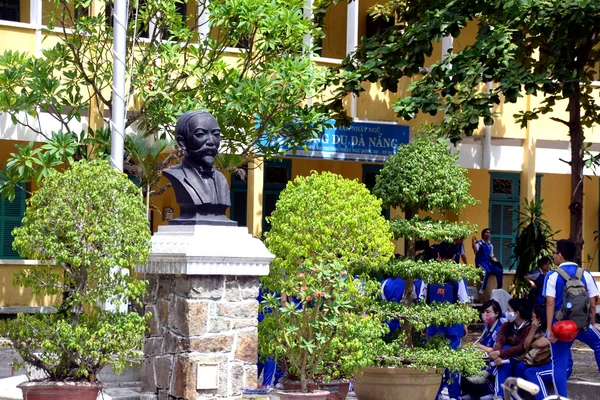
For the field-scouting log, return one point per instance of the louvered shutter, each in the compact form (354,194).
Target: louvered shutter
(11,214)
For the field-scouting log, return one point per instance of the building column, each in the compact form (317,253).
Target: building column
(203,14)
(35,19)
(528,177)
(352,43)
(255,196)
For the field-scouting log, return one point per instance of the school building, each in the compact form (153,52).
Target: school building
(505,163)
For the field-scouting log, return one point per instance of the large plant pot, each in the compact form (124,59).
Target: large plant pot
(392,383)
(337,388)
(60,390)
(299,395)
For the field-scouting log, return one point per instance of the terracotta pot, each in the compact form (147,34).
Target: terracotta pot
(337,388)
(60,390)
(383,383)
(299,395)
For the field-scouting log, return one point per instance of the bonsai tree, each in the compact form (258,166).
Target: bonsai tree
(86,226)
(535,240)
(424,177)
(323,228)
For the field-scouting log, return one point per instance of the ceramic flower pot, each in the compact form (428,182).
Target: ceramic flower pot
(384,383)
(337,388)
(60,390)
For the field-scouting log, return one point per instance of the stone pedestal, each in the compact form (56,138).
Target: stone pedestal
(202,340)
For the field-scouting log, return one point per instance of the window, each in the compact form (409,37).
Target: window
(11,214)
(276,176)
(10,10)
(369,177)
(504,201)
(239,199)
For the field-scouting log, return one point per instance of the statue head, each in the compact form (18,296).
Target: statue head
(199,135)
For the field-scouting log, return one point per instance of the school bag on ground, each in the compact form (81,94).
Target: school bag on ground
(576,302)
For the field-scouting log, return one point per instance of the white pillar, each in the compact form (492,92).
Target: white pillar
(308,14)
(117,121)
(447,44)
(486,144)
(35,19)
(203,15)
(352,41)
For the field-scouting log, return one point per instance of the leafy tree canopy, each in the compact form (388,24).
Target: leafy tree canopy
(547,48)
(256,93)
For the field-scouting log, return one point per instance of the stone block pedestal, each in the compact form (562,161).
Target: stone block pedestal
(202,339)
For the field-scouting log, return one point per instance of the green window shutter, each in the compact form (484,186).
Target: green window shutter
(11,214)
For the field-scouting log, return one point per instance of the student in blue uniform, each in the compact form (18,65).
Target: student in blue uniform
(452,291)
(479,385)
(460,255)
(485,259)
(553,291)
(392,289)
(536,280)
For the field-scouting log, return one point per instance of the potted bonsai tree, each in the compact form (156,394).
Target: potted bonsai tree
(323,227)
(423,177)
(87,226)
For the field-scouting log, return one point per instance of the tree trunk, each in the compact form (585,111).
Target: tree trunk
(577,163)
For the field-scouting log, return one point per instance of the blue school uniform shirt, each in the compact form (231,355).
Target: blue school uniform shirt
(485,251)
(393,289)
(490,333)
(554,284)
(538,278)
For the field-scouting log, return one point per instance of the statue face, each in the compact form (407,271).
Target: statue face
(203,140)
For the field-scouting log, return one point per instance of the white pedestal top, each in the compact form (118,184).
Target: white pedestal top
(207,250)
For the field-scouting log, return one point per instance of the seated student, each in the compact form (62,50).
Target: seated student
(485,259)
(510,344)
(392,289)
(478,385)
(536,280)
(536,365)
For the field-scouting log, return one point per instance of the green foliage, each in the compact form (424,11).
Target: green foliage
(85,222)
(61,150)
(321,218)
(430,271)
(544,48)
(429,228)
(535,239)
(424,175)
(307,334)
(324,228)
(256,92)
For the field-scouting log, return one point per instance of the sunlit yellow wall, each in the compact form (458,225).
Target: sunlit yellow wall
(334,43)
(21,39)
(348,169)
(11,295)
(479,214)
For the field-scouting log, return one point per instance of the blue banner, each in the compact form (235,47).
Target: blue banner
(361,141)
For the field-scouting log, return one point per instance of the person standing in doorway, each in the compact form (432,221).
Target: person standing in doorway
(485,259)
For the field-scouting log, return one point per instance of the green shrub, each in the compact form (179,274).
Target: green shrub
(86,221)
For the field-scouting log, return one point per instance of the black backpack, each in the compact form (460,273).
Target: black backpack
(576,302)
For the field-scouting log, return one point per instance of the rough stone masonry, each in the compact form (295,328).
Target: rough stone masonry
(200,319)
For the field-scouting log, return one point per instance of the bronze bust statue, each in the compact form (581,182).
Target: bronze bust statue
(202,192)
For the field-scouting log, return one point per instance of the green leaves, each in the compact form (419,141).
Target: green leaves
(84,225)
(321,218)
(424,175)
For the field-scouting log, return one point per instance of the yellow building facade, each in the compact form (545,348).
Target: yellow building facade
(505,163)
